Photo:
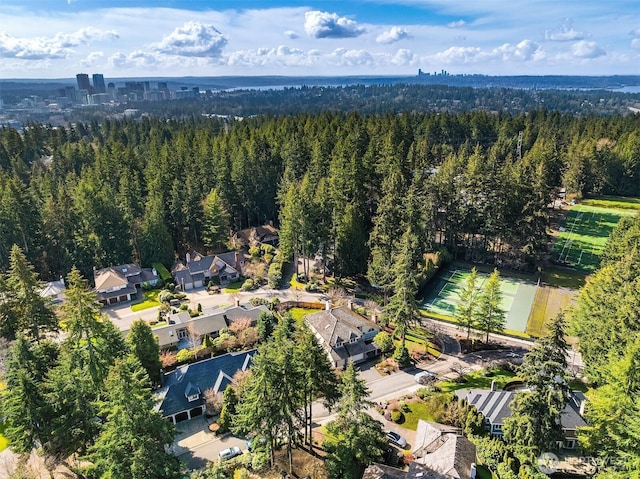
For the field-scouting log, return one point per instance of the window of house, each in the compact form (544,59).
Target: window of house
(497,427)
(182,333)
(193,397)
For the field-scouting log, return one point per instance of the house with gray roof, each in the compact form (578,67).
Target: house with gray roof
(494,406)
(182,395)
(54,291)
(121,283)
(197,270)
(181,327)
(443,449)
(344,334)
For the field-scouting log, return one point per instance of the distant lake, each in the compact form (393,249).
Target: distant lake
(626,89)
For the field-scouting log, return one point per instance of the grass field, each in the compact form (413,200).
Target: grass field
(585,231)
(547,304)
(517,297)
(150,301)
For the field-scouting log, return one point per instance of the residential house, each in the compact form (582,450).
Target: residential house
(344,334)
(494,406)
(181,329)
(416,471)
(182,396)
(257,235)
(117,284)
(197,270)
(54,291)
(444,450)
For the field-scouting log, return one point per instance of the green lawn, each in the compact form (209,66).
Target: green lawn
(299,313)
(150,301)
(431,409)
(295,284)
(564,278)
(478,380)
(234,287)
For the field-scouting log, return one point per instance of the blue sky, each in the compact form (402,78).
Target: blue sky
(122,38)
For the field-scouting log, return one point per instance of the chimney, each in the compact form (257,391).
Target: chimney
(238,263)
(188,258)
(327,305)
(494,385)
(237,302)
(350,305)
(374,318)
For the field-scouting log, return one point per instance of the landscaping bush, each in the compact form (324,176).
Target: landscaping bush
(259,461)
(248,285)
(268,258)
(402,356)
(257,301)
(184,356)
(254,252)
(146,286)
(183,307)
(268,249)
(397,416)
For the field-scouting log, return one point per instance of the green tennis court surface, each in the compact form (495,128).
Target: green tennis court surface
(583,235)
(517,296)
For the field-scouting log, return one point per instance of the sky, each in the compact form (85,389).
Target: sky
(174,38)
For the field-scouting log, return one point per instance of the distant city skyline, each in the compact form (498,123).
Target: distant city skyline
(153,38)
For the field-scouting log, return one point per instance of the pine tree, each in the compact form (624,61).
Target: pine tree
(215,228)
(133,438)
(467,306)
(357,439)
(31,312)
(535,423)
(490,316)
(144,345)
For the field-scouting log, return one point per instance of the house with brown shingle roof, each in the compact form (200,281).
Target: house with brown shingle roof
(344,334)
(117,284)
(443,449)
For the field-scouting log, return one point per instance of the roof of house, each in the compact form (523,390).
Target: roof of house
(339,325)
(197,264)
(444,450)
(212,320)
(53,288)
(260,234)
(109,278)
(216,373)
(494,405)
(381,471)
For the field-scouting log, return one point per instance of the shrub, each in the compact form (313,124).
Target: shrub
(268,249)
(184,355)
(183,307)
(257,301)
(168,359)
(259,461)
(254,251)
(397,416)
(146,286)
(248,285)
(241,473)
(268,258)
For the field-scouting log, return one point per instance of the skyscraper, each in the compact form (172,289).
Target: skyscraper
(98,83)
(83,82)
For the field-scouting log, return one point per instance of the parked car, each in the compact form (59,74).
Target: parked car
(396,439)
(229,453)
(425,377)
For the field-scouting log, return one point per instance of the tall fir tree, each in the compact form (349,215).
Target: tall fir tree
(490,317)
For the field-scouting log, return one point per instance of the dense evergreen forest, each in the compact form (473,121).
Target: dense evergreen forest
(345,186)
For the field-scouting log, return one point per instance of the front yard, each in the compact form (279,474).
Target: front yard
(150,300)
(480,379)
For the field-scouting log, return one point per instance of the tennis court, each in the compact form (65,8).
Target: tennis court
(582,237)
(517,296)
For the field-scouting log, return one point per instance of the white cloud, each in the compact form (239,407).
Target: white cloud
(457,24)
(291,34)
(635,43)
(394,35)
(635,33)
(565,33)
(280,56)
(193,39)
(524,51)
(134,59)
(404,57)
(344,57)
(92,59)
(59,46)
(329,25)
(586,49)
